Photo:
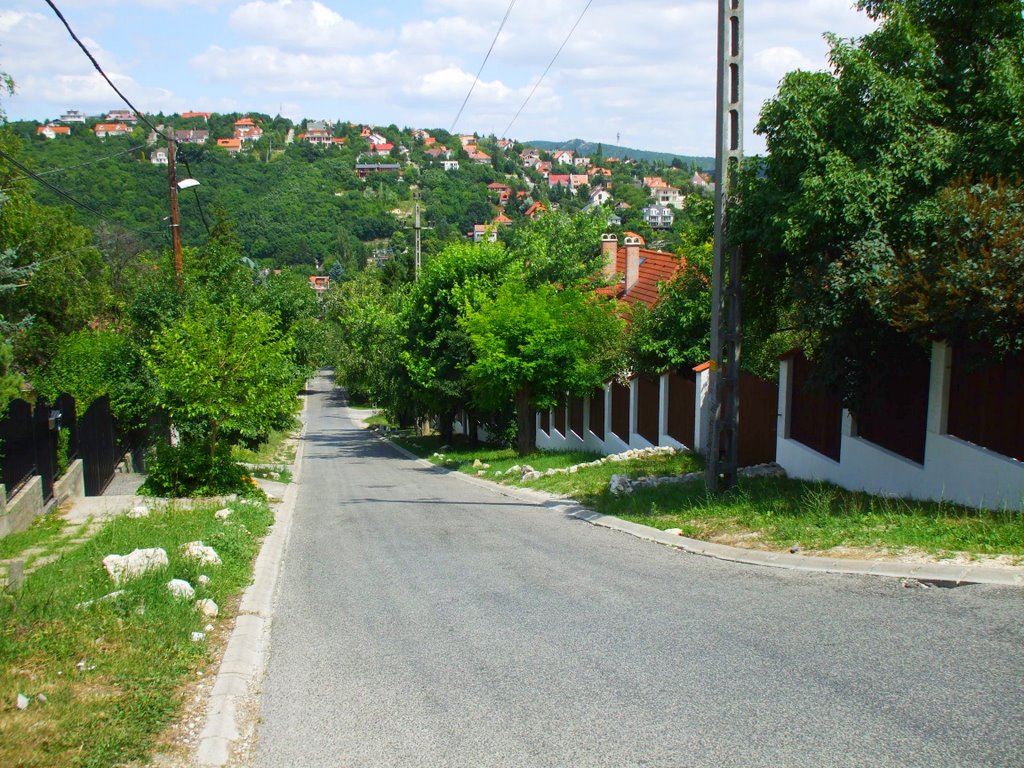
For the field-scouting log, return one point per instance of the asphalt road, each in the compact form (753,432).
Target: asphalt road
(427,621)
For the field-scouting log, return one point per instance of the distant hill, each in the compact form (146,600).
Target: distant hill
(611,150)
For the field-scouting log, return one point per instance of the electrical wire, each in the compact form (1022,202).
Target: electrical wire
(482,64)
(90,162)
(67,196)
(171,142)
(547,68)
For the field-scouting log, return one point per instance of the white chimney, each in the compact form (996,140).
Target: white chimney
(609,247)
(632,261)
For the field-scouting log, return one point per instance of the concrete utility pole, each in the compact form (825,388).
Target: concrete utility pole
(416,197)
(179,268)
(724,385)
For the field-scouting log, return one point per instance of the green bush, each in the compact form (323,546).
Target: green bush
(188,469)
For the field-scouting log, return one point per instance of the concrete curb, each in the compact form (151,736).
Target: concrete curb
(241,669)
(942,573)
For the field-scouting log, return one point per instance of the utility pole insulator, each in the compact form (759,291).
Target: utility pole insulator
(722,449)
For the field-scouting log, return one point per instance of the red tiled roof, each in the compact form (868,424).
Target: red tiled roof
(655,267)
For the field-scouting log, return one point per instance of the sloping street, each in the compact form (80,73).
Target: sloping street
(427,620)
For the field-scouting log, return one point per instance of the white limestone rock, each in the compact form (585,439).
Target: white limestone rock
(121,568)
(222,514)
(201,553)
(139,511)
(181,589)
(198,637)
(22,701)
(620,484)
(207,607)
(203,580)
(531,475)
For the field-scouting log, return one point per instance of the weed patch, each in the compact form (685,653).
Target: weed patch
(102,675)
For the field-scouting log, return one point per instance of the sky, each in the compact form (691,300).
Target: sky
(640,73)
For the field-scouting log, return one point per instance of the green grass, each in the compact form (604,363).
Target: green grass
(277,449)
(112,672)
(779,513)
(43,530)
(378,420)
(766,513)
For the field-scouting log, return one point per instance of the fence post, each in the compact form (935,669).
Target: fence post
(701,409)
(938,388)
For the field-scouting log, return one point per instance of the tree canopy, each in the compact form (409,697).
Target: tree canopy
(863,227)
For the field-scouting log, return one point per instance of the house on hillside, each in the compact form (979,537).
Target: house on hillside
(234,146)
(191,136)
(668,196)
(505,144)
(535,210)
(450,165)
(158,156)
(563,156)
(365,169)
(439,153)
(503,191)
(196,115)
(318,132)
(103,130)
(52,131)
(246,130)
(319,283)
(122,116)
(658,216)
(381,150)
(480,158)
(485,232)
(73,116)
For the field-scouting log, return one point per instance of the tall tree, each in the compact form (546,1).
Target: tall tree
(853,202)
(535,345)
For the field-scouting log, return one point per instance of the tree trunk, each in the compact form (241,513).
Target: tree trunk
(526,434)
(471,424)
(446,427)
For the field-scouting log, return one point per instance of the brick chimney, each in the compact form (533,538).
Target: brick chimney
(632,261)
(609,247)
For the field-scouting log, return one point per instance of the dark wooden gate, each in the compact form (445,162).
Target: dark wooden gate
(97,446)
(648,408)
(896,416)
(620,411)
(759,411)
(560,417)
(815,417)
(597,412)
(682,393)
(985,400)
(16,442)
(576,415)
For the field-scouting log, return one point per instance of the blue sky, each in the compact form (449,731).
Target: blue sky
(641,69)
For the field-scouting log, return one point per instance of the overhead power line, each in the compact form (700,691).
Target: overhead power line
(172,143)
(548,67)
(91,162)
(103,74)
(482,64)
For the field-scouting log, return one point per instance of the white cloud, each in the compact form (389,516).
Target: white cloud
(303,24)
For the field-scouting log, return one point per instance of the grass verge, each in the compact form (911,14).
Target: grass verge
(278,449)
(762,513)
(111,673)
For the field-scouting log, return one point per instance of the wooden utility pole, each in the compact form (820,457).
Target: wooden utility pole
(724,381)
(179,267)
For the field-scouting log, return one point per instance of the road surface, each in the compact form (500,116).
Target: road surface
(424,620)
